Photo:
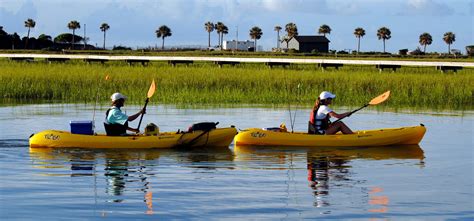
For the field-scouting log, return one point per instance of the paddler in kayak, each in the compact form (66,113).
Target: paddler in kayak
(319,119)
(116,122)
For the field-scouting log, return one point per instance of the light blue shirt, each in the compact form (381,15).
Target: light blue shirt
(116,116)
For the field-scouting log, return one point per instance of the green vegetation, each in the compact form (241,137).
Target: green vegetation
(103,28)
(209,26)
(359,33)
(255,34)
(324,29)
(73,25)
(425,39)
(30,23)
(385,34)
(221,30)
(205,83)
(163,32)
(449,38)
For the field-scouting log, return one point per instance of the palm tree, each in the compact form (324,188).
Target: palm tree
(73,25)
(29,23)
(163,32)
(359,33)
(292,31)
(104,27)
(209,26)
(425,39)
(219,26)
(384,33)
(256,33)
(221,30)
(224,31)
(449,38)
(324,29)
(278,29)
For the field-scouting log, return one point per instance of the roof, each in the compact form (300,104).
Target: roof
(311,39)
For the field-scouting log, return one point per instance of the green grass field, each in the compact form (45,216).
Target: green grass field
(204,83)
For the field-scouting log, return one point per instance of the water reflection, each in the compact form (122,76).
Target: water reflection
(330,167)
(206,158)
(125,171)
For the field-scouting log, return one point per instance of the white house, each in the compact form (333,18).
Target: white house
(238,45)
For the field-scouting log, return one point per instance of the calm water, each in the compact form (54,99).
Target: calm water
(432,181)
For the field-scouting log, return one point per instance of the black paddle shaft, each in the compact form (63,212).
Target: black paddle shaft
(141,117)
(351,113)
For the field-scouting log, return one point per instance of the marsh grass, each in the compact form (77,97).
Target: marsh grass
(205,83)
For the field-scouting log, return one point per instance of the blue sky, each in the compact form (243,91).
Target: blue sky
(133,22)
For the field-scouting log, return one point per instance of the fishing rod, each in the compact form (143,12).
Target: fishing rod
(97,96)
(293,116)
(298,100)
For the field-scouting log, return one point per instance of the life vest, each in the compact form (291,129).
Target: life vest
(313,128)
(114,129)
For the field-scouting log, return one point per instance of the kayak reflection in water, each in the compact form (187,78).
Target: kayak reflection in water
(319,119)
(322,169)
(116,121)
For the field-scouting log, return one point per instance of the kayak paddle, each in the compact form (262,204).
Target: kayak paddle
(150,93)
(379,99)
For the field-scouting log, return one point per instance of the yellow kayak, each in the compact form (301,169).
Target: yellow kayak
(379,137)
(220,137)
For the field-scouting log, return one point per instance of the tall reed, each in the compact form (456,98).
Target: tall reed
(204,83)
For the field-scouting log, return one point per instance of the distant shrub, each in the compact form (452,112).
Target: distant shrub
(117,48)
(403,51)
(67,38)
(342,52)
(292,50)
(417,51)
(470,50)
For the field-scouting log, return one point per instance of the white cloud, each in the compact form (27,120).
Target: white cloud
(418,4)
(428,7)
(11,6)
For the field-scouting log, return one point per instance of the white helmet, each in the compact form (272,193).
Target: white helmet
(117,96)
(325,95)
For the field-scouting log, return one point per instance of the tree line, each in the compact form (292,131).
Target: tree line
(13,41)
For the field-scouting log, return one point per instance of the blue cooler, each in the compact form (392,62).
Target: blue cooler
(82,127)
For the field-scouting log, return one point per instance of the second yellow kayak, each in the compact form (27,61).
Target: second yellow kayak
(378,137)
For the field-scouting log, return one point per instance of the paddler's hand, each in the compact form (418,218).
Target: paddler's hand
(143,111)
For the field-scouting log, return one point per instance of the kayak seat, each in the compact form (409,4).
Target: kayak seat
(115,129)
(312,129)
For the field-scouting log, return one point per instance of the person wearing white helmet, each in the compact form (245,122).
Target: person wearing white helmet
(319,119)
(116,121)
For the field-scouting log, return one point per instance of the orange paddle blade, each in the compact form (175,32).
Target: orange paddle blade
(107,77)
(381,98)
(151,91)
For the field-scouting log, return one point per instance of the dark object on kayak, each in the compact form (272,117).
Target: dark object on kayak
(204,126)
